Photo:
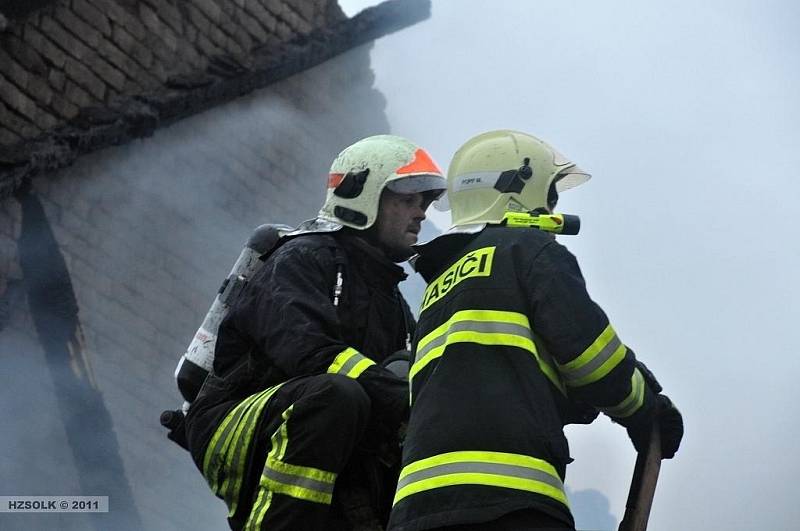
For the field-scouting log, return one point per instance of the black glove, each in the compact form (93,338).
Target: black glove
(649,377)
(398,363)
(388,390)
(670,423)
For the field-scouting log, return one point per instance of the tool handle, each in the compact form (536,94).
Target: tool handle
(643,485)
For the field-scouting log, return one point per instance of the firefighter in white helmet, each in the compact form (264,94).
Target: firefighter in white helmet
(299,405)
(509,348)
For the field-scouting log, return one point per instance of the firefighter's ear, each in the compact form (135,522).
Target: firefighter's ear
(352,184)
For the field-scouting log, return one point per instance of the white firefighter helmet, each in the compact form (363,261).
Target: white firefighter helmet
(361,172)
(501,171)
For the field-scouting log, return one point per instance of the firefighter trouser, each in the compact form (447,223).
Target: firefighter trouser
(524,520)
(276,456)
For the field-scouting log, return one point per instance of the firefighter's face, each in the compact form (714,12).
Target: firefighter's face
(399,221)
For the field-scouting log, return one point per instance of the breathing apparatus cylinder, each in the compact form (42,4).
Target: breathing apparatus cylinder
(198,360)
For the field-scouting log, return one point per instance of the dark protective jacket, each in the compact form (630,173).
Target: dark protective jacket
(507,335)
(285,324)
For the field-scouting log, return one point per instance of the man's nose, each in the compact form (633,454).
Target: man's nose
(419,212)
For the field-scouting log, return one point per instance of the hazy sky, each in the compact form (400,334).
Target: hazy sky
(686,113)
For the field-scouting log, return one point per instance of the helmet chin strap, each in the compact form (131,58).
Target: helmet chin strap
(552,196)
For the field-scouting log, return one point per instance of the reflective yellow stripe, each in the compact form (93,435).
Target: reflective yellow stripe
(241,443)
(494,469)
(302,482)
(484,327)
(215,452)
(307,472)
(472,337)
(591,351)
(296,491)
(350,363)
(218,453)
(443,336)
(632,402)
(226,455)
(260,507)
(600,358)
(305,483)
(475,315)
(279,441)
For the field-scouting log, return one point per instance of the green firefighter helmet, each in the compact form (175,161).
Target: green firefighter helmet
(506,171)
(360,173)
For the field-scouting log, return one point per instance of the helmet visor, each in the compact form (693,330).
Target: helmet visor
(418,183)
(571,178)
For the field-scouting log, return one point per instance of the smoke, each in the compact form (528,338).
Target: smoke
(148,232)
(591,510)
(36,456)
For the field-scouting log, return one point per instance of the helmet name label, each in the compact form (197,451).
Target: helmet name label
(477,179)
(477,263)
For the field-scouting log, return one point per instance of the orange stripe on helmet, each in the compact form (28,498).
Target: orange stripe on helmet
(335,179)
(422,163)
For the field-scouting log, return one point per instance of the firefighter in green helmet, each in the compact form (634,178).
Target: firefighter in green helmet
(509,348)
(296,428)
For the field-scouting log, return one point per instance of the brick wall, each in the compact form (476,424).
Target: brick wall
(74,54)
(148,231)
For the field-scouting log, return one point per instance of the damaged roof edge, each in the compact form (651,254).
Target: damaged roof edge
(131,117)
(17,9)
